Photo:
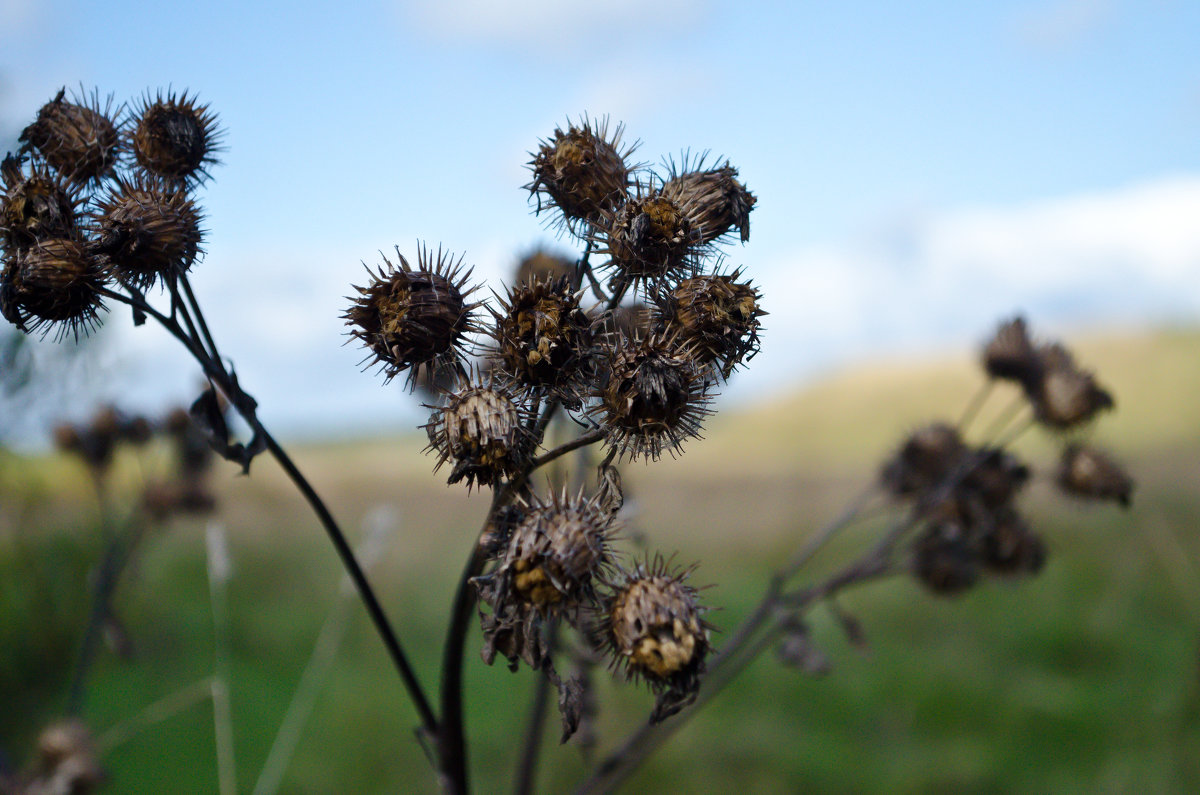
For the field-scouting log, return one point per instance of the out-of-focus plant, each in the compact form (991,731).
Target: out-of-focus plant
(619,350)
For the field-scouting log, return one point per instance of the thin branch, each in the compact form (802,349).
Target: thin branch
(526,777)
(166,707)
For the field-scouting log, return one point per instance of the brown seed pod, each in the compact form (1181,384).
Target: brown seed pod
(924,460)
(649,240)
(712,198)
(148,231)
(175,139)
(1010,547)
(484,431)
(995,478)
(655,397)
(414,317)
(1087,472)
(651,622)
(35,206)
(716,317)
(1065,396)
(79,139)
(544,341)
(55,282)
(582,172)
(541,265)
(946,558)
(1010,355)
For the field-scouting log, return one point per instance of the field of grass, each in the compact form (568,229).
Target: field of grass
(1083,679)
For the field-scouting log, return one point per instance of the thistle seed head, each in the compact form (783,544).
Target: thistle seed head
(175,139)
(1010,354)
(715,317)
(712,199)
(79,139)
(55,283)
(148,232)
(924,460)
(1089,473)
(1065,396)
(652,623)
(414,318)
(1010,547)
(483,431)
(65,761)
(35,206)
(582,172)
(655,397)
(541,265)
(946,558)
(543,339)
(649,239)
(995,479)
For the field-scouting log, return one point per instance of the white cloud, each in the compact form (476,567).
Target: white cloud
(1061,24)
(554,25)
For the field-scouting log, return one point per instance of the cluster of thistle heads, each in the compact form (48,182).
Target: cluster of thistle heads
(183,490)
(631,339)
(965,496)
(97,197)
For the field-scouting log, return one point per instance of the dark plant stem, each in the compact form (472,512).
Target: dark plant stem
(216,372)
(526,777)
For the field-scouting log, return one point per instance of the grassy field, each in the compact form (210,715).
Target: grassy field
(1083,679)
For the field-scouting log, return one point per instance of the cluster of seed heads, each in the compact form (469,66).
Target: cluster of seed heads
(630,339)
(96,197)
(965,496)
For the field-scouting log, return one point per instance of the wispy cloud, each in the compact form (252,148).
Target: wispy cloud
(1061,24)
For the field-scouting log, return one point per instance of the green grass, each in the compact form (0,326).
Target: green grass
(1083,679)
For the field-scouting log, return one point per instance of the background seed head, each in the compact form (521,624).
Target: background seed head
(946,558)
(582,172)
(541,265)
(1010,354)
(654,399)
(175,138)
(1087,472)
(713,199)
(414,318)
(483,431)
(78,138)
(650,240)
(36,205)
(1067,396)
(924,460)
(148,231)
(1010,547)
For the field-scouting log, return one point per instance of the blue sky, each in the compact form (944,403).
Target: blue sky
(922,168)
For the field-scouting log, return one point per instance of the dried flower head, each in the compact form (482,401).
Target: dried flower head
(716,317)
(541,265)
(712,198)
(175,138)
(655,398)
(583,171)
(924,460)
(1010,354)
(35,206)
(652,623)
(1010,547)
(414,317)
(484,431)
(543,339)
(1089,473)
(79,139)
(994,479)
(148,231)
(550,564)
(946,558)
(649,239)
(1065,396)
(56,282)
(629,321)
(65,761)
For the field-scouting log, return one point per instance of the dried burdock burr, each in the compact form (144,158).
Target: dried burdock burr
(175,139)
(1010,355)
(927,456)
(413,318)
(148,231)
(946,558)
(651,622)
(540,265)
(483,431)
(544,341)
(583,171)
(1087,472)
(550,565)
(655,398)
(649,239)
(713,199)
(35,205)
(715,317)
(77,138)
(1065,396)
(53,284)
